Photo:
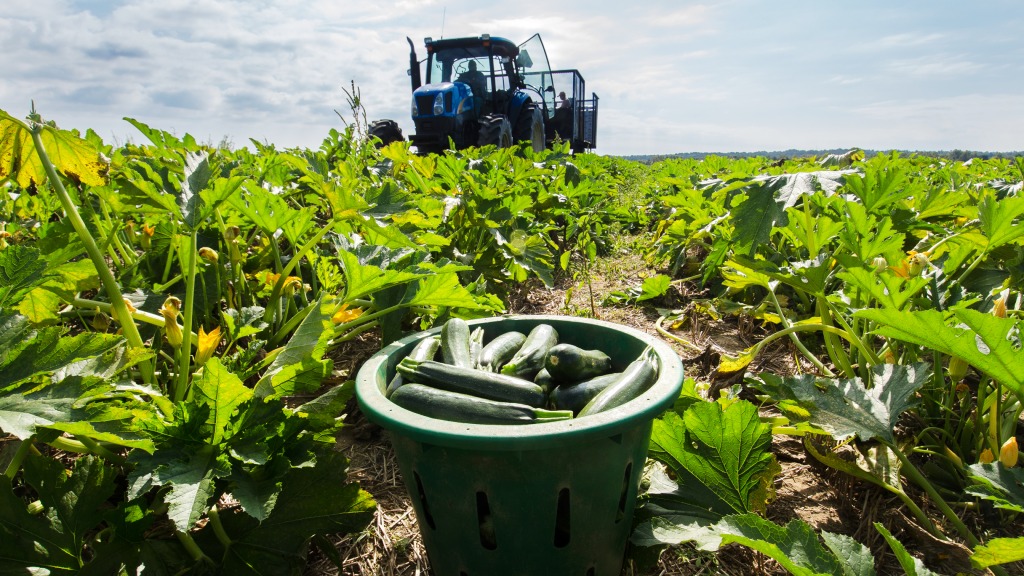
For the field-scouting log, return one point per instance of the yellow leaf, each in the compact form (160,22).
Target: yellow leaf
(730,365)
(78,159)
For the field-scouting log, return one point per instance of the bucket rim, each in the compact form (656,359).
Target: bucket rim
(371,380)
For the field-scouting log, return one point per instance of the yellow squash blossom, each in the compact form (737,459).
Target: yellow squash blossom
(207,345)
(1009,453)
(344,314)
(999,307)
(986,457)
(170,310)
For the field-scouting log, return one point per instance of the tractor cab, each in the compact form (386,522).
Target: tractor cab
(485,90)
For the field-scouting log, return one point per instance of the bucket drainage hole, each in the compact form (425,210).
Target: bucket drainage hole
(423,501)
(484,522)
(621,512)
(562,519)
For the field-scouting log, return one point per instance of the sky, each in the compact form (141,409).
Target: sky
(671,76)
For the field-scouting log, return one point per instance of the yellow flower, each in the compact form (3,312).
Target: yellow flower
(147,236)
(170,310)
(291,284)
(131,307)
(344,314)
(207,345)
(999,307)
(986,457)
(1009,453)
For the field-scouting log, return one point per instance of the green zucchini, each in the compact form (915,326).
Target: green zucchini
(458,407)
(635,379)
(500,350)
(530,357)
(488,385)
(455,338)
(425,349)
(576,395)
(568,363)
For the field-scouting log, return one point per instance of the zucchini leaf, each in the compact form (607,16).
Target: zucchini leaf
(998,551)
(1004,487)
(77,158)
(912,566)
(75,505)
(795,546)
(277,544)
(727,450)
(45,351)
(990,344)
(300,366)
(845,407)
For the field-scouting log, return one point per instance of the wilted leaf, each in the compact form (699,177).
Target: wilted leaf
(76,158)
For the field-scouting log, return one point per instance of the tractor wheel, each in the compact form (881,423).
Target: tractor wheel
(495,131)
(387,131)
(530,127)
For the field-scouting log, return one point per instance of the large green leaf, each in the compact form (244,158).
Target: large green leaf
(755,217)
(983,341)
(21,414)
(20,268)
(78,500)
(1004,487)
(313,500)
(440,290)
(223,392)
(1000,220)
(49,351)
(998,551)
(725,449)
(76,158)
(31,544)
(362,280)
(300,365)
(845,407)
(794,546)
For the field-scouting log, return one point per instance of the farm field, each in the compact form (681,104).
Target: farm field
(180,326)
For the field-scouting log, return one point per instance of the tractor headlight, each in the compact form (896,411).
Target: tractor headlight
(439,104)
(415,108)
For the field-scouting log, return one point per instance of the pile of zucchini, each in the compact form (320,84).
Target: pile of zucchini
(515,378)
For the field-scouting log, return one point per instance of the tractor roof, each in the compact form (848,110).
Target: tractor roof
(476,45)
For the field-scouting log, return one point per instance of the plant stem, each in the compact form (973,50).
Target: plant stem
(110,285)
(193,549)
(218,527)
(19,457)
(915,475)
(185,352)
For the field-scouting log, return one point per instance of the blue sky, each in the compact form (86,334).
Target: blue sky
(672,76)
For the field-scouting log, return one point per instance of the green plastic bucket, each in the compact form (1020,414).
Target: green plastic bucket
(529,500)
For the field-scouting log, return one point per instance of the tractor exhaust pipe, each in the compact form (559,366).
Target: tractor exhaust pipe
(414,66)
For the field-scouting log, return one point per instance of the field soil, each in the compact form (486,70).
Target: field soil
(805,489)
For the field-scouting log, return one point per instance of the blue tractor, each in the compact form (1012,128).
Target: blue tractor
(486,90)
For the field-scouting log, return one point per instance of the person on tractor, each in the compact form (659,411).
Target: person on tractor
(475,78)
